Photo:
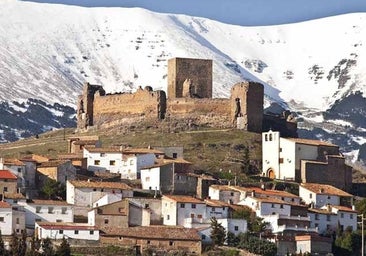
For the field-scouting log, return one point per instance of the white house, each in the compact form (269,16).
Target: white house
(321,195)
(37,210)
(157,177)
(11,219)
(267,206)
(59,230)
(107,199)
(282,156)
(225,193)
(128,162)
(85,193)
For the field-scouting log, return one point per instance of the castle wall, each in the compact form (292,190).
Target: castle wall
(247,102)
(199,71)
(147,103)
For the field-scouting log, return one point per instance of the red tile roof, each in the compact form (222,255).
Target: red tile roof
(155,232)
(5,174)
(324,189)
(184,199)
(53,163)
(4,204)
(47,202)
(312,142)
(66,226)
(343,208)
(95,184)
(13,161)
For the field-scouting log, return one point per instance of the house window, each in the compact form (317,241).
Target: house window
(17,220)
(147,179)
(182,205)
(236,228)
(328,217)
(266,137)
(273,213)
(281,206)
(91,232)
(5,189)
(61,232)
(342,215)
(316,225)
(1,219)
(280,149)
(106,221)
(38,209)
(147,206)
(351,216)
(192,215)
(50,210)
(112,162)
(328,197)
(148,241)
(76,232)
(328,227)
(316,216)
(96,162)
(199,216)
(102,154)
(58,220)
(175,155)
(193,206)
(270,137)
(231,193)
(272,205)
(19,169)
(38,220)
(17,230)
(168,217)
(203,237)
(171,243)
(131,162)
(280,160)
(310,195)
(63,210)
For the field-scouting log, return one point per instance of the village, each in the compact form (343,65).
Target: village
(151,200)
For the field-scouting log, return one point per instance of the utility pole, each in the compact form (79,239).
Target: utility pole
(362,235)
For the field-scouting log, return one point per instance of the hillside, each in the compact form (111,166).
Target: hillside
(314,68)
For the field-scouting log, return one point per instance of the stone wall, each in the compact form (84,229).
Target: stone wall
(197,71)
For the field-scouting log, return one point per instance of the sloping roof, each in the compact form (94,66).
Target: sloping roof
(134,151)
(47,202)
(184,199)
(70,156)
(13,195)
(104,150)
(270,200)
(268,192)
(343,208)
(223,187)
(311,142)
(66,226)
(53,163)
(155,232)
(5,174)
(85,142)
(13,161)
(321,211)
(4,204)
(100,184)
(324,189)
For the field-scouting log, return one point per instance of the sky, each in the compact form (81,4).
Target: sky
(238,12)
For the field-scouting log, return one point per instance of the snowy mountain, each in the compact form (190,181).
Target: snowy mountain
(315,68)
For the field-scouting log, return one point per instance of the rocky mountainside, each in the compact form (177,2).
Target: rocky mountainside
(314,68)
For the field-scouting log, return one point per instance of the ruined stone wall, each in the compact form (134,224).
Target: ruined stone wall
(247,102)
(198,71)
(147,103)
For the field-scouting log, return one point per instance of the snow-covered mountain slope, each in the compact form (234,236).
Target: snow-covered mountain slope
(47,51)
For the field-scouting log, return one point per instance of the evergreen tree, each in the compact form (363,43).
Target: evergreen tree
(22,245)
(47,247)
(2,245)
(34,247)
(218,233)
(64,248)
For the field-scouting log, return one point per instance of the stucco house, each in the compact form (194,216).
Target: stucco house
(85,193)
(163,238)
(321,195)
(304,160)
(77,144)
(8,182)
(12,219)
(60,230)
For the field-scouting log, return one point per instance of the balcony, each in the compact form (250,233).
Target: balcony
(282,228)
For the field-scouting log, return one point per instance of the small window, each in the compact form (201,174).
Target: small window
(19,169)
(199,216)
(63,210)
(38,209)
(38,220)
(316,225)
(1,219)
(112,162)
(351,216)
(147,206)
(342,215)
(231,193)
(266,137)
(182,205)
(280,160)
(148,241)
(193,206)
(281,206)
(168,217)
(50,210)
(270,137)
(175,155)
(280,149)
(96,162)
(310,195)
(272,205)
(328,217)
(61,232)
(58,220)
(91,232)
(292,199)
(17,220)
(131,162)
(106,221)
(147,179)
(203,237)
(5,189)
(171,243)
(328,197)
(76,232)
(192,215)
(316,216)
(102,154)
(236,228)
(17,230)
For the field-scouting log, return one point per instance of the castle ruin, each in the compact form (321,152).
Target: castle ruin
(189,99)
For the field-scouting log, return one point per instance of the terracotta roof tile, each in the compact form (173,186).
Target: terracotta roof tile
(104,150)
(312,142)
(155,232)
(13,196)
(223,187)
(95,184)
(13,161)
(321,211)
(324,189)
(343,208)
(47,202)
(270,200)
(85,142)
(5,174)
(66,226)
(53,163)
(4,204)
(184,199)
(70,156)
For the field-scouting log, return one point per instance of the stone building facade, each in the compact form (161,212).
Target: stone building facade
(189,98)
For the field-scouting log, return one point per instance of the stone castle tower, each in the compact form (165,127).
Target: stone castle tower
(189,78)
